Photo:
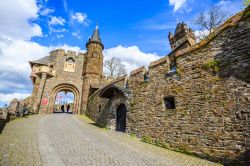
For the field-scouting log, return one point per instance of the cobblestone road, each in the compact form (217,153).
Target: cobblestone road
(63,139)
(69,140)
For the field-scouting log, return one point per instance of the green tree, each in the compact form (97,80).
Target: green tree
(246,2)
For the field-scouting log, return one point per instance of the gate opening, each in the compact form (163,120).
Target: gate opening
(121,115)
(64,102)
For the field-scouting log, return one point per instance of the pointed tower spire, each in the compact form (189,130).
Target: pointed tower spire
(95,38)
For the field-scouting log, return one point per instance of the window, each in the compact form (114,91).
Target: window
(100,107)
(173,69)
(146,77)
(126,84)
(70,60)
(169,102)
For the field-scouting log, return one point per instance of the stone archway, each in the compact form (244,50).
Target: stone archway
(65,87)
(121,116)
(115,111)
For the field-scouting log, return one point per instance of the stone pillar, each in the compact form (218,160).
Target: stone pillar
(40,92)
(85,95)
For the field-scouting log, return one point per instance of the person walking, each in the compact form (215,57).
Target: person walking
(68,107)
(62,108)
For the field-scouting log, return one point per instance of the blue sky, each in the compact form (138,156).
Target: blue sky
(134,30)
(142,23)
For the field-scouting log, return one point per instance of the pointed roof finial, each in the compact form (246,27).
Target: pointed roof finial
(97,26)
(95,36)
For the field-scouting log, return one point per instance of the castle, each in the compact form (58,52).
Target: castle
(69,72)
(195,99)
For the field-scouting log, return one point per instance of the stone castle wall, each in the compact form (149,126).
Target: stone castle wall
(211,89)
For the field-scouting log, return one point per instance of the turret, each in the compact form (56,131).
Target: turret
(182,38)
(95,38)
(93,61)
(93,65)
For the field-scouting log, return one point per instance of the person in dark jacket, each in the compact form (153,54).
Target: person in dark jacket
(62,108)
(68,107)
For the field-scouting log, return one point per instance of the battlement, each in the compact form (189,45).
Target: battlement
(159,61)
(57,52)
(138,70)
(162,67)
(68,53)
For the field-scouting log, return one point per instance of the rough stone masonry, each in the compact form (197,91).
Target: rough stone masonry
(195,99)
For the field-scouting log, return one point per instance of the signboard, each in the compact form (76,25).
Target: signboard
(70,67)
(44,101)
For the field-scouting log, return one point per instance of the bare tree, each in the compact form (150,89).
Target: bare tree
(210,20)
(114,67)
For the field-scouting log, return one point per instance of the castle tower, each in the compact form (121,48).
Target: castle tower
(182,38)
(93,65)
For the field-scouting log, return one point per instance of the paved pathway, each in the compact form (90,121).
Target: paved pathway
(18,143)
(64,139)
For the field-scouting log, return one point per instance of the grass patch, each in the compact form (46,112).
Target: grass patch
(90,121)
(212,66)
(132,135)
(85,118)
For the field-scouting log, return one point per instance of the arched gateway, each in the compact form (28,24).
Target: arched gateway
(66,88)
(67,71)
(114,108)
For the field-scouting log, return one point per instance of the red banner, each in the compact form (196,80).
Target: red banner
(44,101)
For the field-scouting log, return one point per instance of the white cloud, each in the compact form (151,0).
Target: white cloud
(60,36)
(230,6)
(6,98)
(65,5)
(177,4)
(201,34)
(15,19)
(57,21)
(132,57)
(15,61)
(81,18)
(76,34)
(58,30)
(46,11)
(223,2)
(55,25)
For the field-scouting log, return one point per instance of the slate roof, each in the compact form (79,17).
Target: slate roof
(43,61)
(96,35)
